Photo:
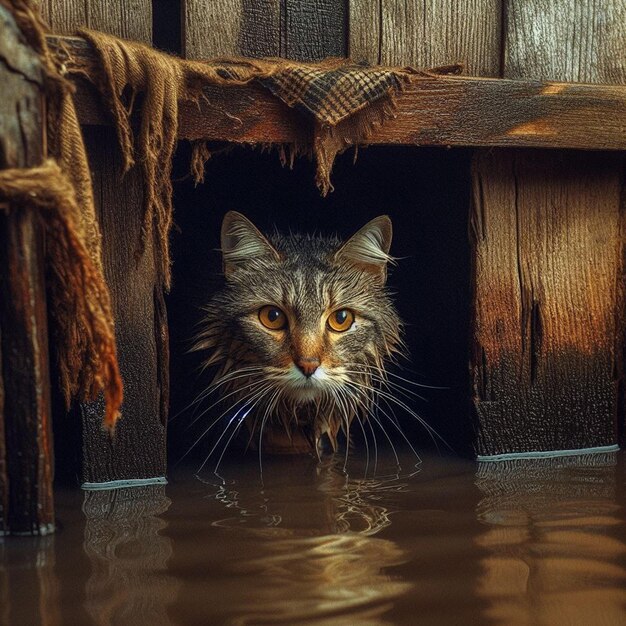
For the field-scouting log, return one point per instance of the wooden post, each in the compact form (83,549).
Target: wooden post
(138,449)
(26,467)
(548,253)
(547,304)
(137,453)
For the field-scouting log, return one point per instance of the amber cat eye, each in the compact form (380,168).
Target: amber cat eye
(341,320)
(272,317)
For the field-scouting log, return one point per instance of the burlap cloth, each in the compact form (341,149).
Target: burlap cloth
(61,191)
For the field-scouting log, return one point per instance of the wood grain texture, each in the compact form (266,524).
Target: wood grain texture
(304,31)
(213,28)
(427,33)
(138,448)
(23,315)
(260,26)
(582,41)
(130,19)
(444,110)
(547,251)
(315,29)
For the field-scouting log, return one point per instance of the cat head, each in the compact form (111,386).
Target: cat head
(301,329)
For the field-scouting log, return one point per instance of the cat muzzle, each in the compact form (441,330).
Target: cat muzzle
(307,365)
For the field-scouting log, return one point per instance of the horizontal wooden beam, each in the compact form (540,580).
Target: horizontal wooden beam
(438,110)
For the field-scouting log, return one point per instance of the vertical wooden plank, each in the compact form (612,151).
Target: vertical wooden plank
(315,29)
(259,34)
(138,449)
(64,17)
(547,251)
(211,28)
(214,28)
(304,31)
(23,314)
(427,33)
(581,41)
(131,19)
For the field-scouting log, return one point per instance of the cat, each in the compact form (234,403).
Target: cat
(300,332)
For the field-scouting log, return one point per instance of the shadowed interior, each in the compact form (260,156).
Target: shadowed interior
(426,194)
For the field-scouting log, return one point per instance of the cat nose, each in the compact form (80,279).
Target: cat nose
(307,365)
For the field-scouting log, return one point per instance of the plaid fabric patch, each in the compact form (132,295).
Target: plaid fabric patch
(332,94)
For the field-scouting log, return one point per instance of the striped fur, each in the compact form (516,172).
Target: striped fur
(308,277)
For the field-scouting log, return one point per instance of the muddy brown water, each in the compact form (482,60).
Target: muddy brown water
(445,542)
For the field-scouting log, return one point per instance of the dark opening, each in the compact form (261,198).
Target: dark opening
(425,191)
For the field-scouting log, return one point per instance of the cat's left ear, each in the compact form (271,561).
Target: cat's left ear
(369,248)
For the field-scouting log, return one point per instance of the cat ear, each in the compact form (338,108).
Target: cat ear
(242,242)
(369,247)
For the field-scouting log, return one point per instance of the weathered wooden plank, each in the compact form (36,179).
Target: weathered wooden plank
(130,19)
(215,28)
(563,40)
(427,33)
(442,110)
(23,314)
(315,29)
(304,31)
(260,26)
(547,251)
(211,28)
(138,448)
(438,111)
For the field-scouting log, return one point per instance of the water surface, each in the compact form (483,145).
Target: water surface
(444,542)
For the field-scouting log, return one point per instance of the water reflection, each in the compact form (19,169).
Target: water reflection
(129,583)
(313,552)
(29,587)
(555,540)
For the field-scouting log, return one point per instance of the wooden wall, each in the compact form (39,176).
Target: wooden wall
(557,39)
(548,248)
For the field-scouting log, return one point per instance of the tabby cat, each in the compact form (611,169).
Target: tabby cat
(300,332)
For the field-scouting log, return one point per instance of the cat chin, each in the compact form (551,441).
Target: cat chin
(307,392)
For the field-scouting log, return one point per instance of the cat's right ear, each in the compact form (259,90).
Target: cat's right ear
(243,242)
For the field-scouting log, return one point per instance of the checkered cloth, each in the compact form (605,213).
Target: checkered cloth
(334,90)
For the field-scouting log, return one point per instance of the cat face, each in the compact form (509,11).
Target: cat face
(303,323)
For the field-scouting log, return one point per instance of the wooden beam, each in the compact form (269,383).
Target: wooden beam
(437,111)
(23,314)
